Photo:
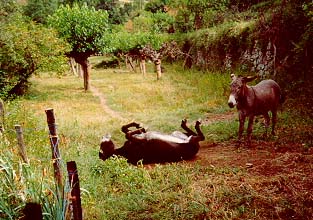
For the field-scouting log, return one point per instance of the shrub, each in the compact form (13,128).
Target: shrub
(26,49)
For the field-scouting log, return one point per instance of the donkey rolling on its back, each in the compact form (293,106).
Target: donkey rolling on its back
(153,146)
(254,100)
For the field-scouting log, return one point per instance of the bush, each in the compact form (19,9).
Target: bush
(26,49)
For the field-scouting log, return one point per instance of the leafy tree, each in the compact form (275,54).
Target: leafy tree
(153,22)
(86,30)
(26,49)
(39,10)
(140,46)
(117,13)
(155,6)
(7,7)
(302,60)
(139,4)
(79,2)
(192,14)
(242,5)
(124,42)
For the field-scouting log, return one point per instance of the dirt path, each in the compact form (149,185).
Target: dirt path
(104,105)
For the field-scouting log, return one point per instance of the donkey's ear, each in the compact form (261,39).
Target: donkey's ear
(249,78)
(233,76)
(106,137)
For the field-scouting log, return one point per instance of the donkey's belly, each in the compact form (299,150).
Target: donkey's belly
(164,137)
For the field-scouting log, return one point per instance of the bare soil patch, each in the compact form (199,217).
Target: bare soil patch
(261,158)
(280,178)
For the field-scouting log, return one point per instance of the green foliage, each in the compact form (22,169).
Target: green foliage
(302,51)
(22,183)
(10,198)
(136,190)
(153,22)
(214,43)
(26,49)
(234,30)
(39,10)
(143,22)
(156,6)
(196,14)
(7,7)
(117,13)
(123,41)
(243,5)
(83,27)
(162,22)
(138,5)
(181,94)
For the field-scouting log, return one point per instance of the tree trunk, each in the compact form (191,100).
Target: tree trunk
(86,71)
(85,67)
(79,70)
(1,116)
(129,60)
(143,66)
(157,64)
(72,65)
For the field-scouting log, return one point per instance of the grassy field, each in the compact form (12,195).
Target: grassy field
(216,185)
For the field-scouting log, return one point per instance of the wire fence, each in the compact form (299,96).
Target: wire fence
(74,204)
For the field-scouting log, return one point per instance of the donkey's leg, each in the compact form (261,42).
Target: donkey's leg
(188,130)
(133,124)
(130,135)
(274,120)
(199,132)
(250,128)
(242,119)
(267,123)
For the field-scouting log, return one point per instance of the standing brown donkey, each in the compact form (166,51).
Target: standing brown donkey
(254,100)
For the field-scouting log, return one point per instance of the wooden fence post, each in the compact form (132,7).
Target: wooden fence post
(21,144)
(75,190)
(54,141)
(157,64)
(32,211)
(1,116)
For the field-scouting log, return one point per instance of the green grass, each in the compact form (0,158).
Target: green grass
(114,189)
(174,97)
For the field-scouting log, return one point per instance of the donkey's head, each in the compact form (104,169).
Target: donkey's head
(237,88)
(107,147)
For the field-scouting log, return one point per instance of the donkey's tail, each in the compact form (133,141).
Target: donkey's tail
(282,97)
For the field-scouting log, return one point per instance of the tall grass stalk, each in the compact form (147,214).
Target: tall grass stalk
(22,183)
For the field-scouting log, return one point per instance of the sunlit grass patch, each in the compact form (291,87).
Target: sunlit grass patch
(152,193)
(179,94)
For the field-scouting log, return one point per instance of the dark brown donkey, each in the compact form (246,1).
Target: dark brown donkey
(154,147)
(254,100)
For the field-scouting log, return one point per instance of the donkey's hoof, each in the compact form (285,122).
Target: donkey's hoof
(238,143)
